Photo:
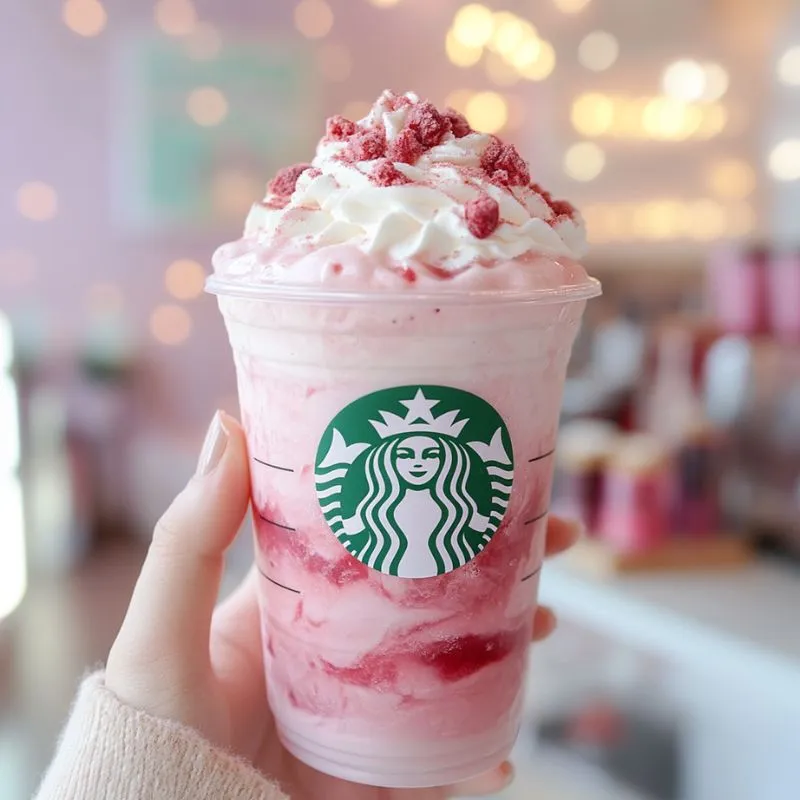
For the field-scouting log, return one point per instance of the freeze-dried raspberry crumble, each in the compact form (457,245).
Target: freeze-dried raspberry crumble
(385,173)
(284,183)
(483,216)
(340,128)
(406,148)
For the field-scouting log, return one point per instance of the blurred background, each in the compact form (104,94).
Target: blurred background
(136,135)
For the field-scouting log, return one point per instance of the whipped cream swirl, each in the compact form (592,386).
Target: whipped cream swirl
(423,218)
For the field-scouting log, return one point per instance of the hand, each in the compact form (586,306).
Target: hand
(177,658)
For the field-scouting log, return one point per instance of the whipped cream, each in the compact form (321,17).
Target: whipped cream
(422,218)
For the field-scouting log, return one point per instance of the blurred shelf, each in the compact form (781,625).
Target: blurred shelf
(738,627)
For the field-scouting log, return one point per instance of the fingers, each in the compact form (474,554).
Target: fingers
(170,612)
(561,535)
(488,783)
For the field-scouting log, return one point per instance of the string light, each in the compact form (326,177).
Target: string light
(37,201)
(204,43)
(313,18)
(784,160)
(570,6)
(207,106)
(458,99)
(593,114)
(500,71)
(460,54)
(185,279)
(584,161)
(732,178)
(170,324)
(789,67)
(335,62)
(544,64)
(598,51)
(664,219)
(690,81)
(473,25)
(176,17)
(84,17)
(487,112)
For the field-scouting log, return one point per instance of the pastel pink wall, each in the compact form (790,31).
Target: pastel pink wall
(56,91)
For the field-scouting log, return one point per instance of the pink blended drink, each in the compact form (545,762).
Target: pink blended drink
(401,313)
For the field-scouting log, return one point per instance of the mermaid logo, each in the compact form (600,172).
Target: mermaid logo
(414,481)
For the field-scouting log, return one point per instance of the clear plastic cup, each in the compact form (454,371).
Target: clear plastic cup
(402,458)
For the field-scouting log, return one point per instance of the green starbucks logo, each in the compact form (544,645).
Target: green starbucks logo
(414,481)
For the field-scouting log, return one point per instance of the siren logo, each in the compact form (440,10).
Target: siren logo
(414,481)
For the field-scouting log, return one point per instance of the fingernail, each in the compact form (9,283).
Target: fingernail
(213,447)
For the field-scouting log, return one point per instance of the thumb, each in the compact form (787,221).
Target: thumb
(169,617)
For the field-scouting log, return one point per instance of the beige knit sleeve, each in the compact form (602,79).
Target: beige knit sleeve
(111,751)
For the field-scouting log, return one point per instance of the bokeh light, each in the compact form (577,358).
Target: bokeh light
(593,114)
(384,3)
(689,80)
(84,17)
(184,279)
(207,106)
(509,32)
(544,64)
(570,6)
(313,18)
(487,112)
(473,25)
(598,51)
(335,62)
(170,324)
(460,54)
(458,99)
(789,67)
(584,161)
(500,71)
(37,201)
(176,17)
(784,160)
(732,178)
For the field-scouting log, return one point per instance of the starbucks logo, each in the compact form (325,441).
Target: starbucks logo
(414,481)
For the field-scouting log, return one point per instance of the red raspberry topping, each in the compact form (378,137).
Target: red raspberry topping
(314,172)
(505,160)
(367,146)
(398,101)
(339,128)
(428,124)
(458,123)
(336,268)
(283,184)
(385,173)
(406,148)
(514,164)
(490,155)
(560,208)
(483,216)
(408,275)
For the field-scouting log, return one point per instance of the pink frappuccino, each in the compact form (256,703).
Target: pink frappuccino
(401,312)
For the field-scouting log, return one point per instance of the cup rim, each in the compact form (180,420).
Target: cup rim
(317,295)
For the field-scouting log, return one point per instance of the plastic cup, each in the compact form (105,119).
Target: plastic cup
(402,459)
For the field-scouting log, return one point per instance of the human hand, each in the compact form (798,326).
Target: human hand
(178,658)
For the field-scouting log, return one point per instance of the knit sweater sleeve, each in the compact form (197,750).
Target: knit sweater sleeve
(109,750)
